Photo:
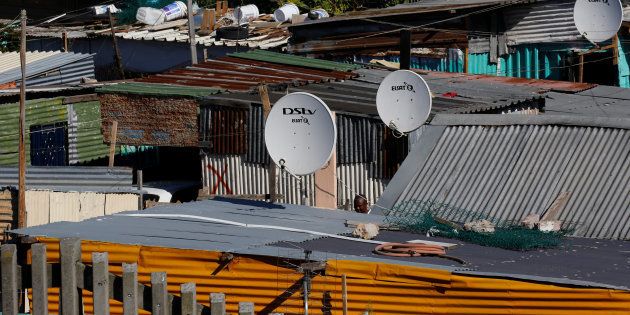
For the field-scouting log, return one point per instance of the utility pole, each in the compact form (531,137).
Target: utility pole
(22,153)
(264,98)
(191,34)
(116,50)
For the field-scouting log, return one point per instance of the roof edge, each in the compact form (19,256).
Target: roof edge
(517,119)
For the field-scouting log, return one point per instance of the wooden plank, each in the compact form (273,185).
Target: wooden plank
(130,289)
(189,298)
(39,279)
(264,98)
(557,206)
(245,308)
(80,98)
(8,261)
(217,303)
(159,294)
(100,283)
(112,143)
(70,257)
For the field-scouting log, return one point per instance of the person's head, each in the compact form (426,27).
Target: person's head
(360,204)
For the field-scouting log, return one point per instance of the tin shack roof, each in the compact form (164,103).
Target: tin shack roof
(70,67)
(283,231)
(505,167)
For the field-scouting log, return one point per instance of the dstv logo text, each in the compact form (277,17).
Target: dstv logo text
(298,111)
(403,87)
(600,1)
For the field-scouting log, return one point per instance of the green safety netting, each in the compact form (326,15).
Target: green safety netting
(442,220)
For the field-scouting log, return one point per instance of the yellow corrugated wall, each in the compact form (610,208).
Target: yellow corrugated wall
(381,288)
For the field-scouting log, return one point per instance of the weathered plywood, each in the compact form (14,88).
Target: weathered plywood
(115,203)
(92,205)
(64,206)
(37,207)
(7,211)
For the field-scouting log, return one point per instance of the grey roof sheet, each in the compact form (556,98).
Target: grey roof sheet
(463,94)
(578,261)
(49,61)
(607,101)
(506,170)
(72,178)
(192,233)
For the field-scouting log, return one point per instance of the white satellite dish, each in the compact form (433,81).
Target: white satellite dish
(598,20)
(403,101)
(300,133)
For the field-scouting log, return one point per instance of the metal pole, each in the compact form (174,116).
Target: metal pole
(140,194)
(405,49)
(22,153)
(191,34)
(303,192)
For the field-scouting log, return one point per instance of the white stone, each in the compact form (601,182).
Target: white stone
(480,226)
(366,231)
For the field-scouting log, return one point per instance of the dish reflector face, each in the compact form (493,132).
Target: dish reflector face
(598,20)
(403,101)
(300,133)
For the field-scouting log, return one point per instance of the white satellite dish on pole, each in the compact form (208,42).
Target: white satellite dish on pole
(598,20)
(300,133)
(403,101)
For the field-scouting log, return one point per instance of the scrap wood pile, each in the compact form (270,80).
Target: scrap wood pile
(477,228)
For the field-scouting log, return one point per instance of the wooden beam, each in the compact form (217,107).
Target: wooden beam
(22,125)
(159,294)
(271,169)
(112,142)
(130,289)
(581,69)
(100,283)
(344,294)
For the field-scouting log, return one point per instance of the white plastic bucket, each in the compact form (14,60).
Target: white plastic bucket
(244,13)
(285,12)
(150,16)
(320,13)
(175,11)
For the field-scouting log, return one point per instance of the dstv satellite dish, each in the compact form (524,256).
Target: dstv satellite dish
(300,133)
(598,20)
(403,101)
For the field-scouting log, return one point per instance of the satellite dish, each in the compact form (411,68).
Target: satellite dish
(598,20)
(300,133)
(403,101)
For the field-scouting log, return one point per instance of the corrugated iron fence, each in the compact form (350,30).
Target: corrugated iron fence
(368,155)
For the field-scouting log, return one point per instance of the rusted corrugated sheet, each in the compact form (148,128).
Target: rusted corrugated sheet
(223,130)
(229,175)
(238,74)
(256,152)
(376,288)
(144,120)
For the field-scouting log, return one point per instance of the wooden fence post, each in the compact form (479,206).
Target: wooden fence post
(189,298)
(217,303)
(39,279)
(100,283)
(245,308)
(344,294)
(70,256)
(159,294)
(8,261)
(113,134)
(130,289)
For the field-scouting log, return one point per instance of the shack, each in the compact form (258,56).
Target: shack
(261,258)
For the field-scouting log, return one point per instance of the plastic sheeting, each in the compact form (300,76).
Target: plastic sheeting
(526,61)
(378,288)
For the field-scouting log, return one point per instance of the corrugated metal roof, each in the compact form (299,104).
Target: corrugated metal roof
(152,89)
(72,178)
(47,68)
(607,101)
(508,166)
(453,93)
(293,60)
(240,74)
(195,233)
(263,34)
(543,22)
